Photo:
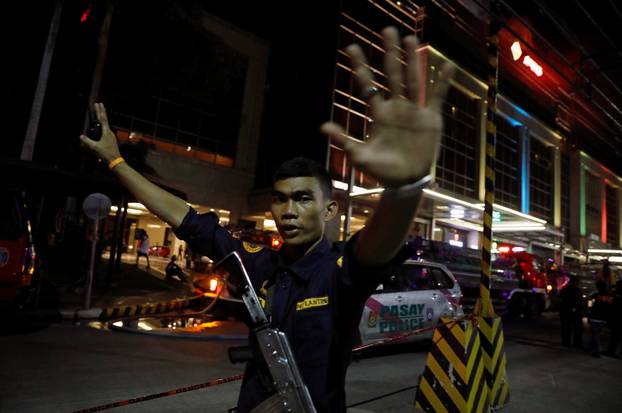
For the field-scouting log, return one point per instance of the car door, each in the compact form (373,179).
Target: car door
(423,300)
(378,318)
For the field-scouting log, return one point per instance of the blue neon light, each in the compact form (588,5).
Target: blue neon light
(524,182)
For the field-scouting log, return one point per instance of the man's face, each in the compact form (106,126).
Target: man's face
(300,210)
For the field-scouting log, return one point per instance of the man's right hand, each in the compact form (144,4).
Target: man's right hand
(107,147)
(165,205)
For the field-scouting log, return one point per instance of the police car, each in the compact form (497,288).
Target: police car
(413,298)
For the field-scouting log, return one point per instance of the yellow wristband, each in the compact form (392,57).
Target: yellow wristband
(115,162)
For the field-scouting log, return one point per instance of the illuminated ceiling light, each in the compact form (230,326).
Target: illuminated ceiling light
(144,326)
(518,249)
(516,51)
(517,228)
(615,259)
(603,251)
(189,148)
(133,211)
(154,226)
(456,212)
(340,185)
(269,224)
(136,205)
(514,212)
(362,192)
(438,195)
(132,135)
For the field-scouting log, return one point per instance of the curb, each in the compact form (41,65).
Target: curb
(129,310)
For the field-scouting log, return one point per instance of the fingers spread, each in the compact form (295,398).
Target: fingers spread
(392,64)
(360,68)
(100,112)
(413,70)
(438,93)
(339,136)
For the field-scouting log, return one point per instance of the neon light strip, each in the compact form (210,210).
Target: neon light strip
(603,215)
(524,182)
(582,201)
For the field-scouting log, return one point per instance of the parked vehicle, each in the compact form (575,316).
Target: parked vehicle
(17,252)
(414,298)
(160,251)
(518,279)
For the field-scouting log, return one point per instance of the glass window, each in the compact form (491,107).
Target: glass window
(417,278)
(613,228)
(593,189)
(565,194)
(507,164)
(171,78)
(441,278)
(540,180)
(457,167)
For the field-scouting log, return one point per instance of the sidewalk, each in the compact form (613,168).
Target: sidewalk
(130,286)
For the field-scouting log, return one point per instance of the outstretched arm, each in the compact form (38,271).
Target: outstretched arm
(404,143)
(165,205)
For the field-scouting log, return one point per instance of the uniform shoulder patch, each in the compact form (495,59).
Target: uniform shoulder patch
(250,247)
(340,261)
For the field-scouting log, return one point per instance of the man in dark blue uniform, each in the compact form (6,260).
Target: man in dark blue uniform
(315,290)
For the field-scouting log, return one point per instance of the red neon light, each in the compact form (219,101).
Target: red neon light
(531,64)
(603,217)
(86,13)
(516,50)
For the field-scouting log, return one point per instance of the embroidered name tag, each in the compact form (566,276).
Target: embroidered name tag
(312,302)
(250,247)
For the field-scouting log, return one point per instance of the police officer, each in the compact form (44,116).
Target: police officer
(571,313)
(317,289)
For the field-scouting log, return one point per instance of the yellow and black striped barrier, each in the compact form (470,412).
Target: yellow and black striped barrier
(488,323)
(493,357)
(147,309)
(454,378)
(466,368)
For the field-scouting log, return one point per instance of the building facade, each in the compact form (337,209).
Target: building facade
(551,197)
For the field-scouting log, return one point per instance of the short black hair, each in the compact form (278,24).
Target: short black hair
(301,167)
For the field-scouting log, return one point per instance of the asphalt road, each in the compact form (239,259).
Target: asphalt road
(67,367)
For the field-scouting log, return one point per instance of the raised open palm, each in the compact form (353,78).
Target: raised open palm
(107,147)
(405,134)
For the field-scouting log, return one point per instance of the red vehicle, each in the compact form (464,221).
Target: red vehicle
(17,252)
(530,269)
(160,251)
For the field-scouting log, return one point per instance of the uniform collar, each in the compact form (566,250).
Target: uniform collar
(303,268)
